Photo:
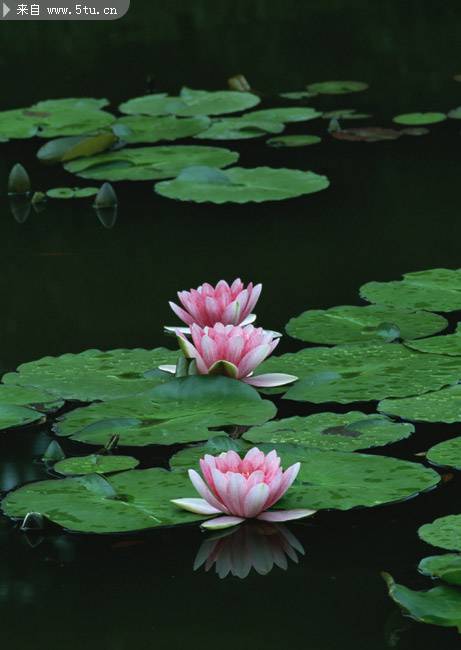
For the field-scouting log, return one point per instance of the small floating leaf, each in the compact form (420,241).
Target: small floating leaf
(412,119)
(337,87)
(61,193)
(18,180)
(293,140)
(259,184)
(95,464)
(350,324)
(444,532)
(284,114)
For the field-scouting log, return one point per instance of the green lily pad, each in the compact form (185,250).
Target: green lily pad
(444,532)
(446,454)
(139,128)
(72,192)
(449,344)
(190,103)
(72,103)
(69,122)
(445,567)
(294,140)
(241,128)
(35,398)
(17,416)
(337,87)
(332,431)
(366,134)
(94,374)
(441,406)
(369,371)
(178,412)
(127,501)
(350,324)
(298,94)
(285,114)
(240,185)
(15,126)
(95,464)
(334,479)
(149,163)
(416,119)
(434,290)
(438,606)
(345,114)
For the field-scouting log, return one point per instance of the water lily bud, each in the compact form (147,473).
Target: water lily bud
(53,453)
(238,82)
(18,180)
(33,521)
(106,197)
(334,125)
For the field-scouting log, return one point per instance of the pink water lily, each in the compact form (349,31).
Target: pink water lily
(232,351)
(207,305)
(241,489)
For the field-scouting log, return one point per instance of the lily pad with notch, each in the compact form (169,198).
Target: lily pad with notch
(95,464)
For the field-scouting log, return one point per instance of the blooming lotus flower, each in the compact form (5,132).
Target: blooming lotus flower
(255,545)
(241,489)
(207,305)
(232,351)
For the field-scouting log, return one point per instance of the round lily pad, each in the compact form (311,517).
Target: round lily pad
(449,344)
(240,185)
(434,290)
(72,192)
(127,501)
(15,125)
(288,114)
(294,140)
(445,567)
(369,371)
(35,398)
(438,606)
(67,122)
(337,87)
(94,374)
(446,454)
(139,128)
(440,406)
(95,464)
(241,128)
(178,412)
(444,532)
(335,431)
(149,163)
(350,324)
(73,103)
(419,119)
(339,480)
(17,416)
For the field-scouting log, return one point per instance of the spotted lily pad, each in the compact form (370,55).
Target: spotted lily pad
(449,344)
(240,185)
(446,454)
(72,192)
(17,416)
(127,501)
(241,128)
(95,464)
(339,480)
(438,606)
(444,532)
(140,128)
(445,567)
(441,406)
(94,374)
(350,324)
(149,163)
(434,290)
(285,115)
(369,371)
(337,87)
(419,119)
(35,398)
(178,412)
(294,140)
(335,431)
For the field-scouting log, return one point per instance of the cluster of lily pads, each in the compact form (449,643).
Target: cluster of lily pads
(97,145)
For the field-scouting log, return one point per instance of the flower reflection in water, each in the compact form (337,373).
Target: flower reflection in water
(254,545)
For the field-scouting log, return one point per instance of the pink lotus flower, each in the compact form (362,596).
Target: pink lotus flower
(241,489)
(208,305)
(232,351)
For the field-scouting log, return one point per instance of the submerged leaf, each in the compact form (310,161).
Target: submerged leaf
(293,140)
(366,134)
(337,87)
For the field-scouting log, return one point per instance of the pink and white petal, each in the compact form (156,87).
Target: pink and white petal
(254,297)
(276,516)
(209,351)
(270,380)
(222,522)
(252,359)
(181,313)
(199,506)
(248,320)
(168,368)
(220,480)
(289,475)
(236,490)
(255,500)
(201,487)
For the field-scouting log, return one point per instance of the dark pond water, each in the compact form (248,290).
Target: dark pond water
(68,283)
